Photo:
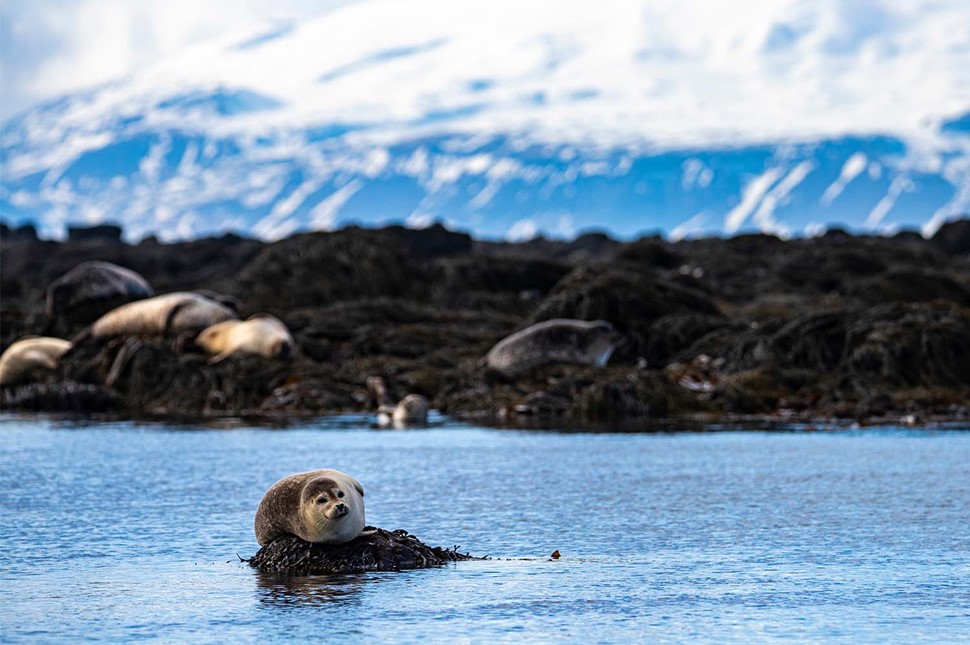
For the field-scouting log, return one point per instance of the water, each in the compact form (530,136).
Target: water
(128,532)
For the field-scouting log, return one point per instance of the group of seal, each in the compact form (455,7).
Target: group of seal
(209,318)
(209,322)
(321,506)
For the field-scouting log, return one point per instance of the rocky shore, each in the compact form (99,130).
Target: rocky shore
(845,327)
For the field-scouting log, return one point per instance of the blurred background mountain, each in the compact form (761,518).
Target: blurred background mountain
(505,119)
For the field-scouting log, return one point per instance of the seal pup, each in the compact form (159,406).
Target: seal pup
(410,410)
(167,315)
(27,356)
(261,334)
(561,340)
(95,284)
(318,506)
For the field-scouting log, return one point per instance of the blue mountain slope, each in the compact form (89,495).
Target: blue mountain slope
(174,183)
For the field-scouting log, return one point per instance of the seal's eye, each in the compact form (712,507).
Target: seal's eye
(322,499)
(340,493)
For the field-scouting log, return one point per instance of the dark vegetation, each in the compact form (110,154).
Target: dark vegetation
(839,326)
(378,551)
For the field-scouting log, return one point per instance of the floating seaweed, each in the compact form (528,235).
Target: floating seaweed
(375,550)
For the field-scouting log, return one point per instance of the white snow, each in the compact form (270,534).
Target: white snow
(764,217)
(883,206)
(751,196)
(853,166)
(323,217)
(522,231)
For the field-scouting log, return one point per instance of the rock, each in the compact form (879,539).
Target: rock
(24,233)
(380,551)
(101,233)
(953,238)
(631,299)
(316,269)
(802,329)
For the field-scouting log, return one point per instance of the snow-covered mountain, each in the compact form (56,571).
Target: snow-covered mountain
(510,119)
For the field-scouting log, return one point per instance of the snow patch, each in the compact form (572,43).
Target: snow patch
(751,196)
(853,166)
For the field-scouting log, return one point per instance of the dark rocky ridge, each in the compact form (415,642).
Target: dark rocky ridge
(837,326)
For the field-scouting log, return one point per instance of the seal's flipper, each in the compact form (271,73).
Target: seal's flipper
(121,360)
(218,358)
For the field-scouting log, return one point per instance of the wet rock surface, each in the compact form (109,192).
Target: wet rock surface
(839,326)
(380,550)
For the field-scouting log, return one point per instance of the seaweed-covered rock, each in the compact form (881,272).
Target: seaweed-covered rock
(954,237)
(836,325)
(380,550)
(631,299)
(318,268)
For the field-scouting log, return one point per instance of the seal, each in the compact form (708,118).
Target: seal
(318,506)
(261,334)
(95,284)
(22,361)
(561,340)
(410,410)
(168,315)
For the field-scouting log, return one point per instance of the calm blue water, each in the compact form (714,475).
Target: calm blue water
(129,532)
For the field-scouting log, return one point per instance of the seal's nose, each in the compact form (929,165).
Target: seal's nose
(285,350)
(341,509)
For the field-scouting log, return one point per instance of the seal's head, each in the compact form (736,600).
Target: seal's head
(332,508)
(283,348)
(601,339)
(213,339)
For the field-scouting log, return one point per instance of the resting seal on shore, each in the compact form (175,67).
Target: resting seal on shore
(95,282)
(317,506)
(261,334)
(411,409)
(560,340)
(166,315)
(29,355)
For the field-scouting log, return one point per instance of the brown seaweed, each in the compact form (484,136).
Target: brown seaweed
(375,550)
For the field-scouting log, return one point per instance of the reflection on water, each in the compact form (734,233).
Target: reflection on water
(130,532)
(280,590)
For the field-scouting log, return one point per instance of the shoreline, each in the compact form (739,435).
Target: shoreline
(751,329)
